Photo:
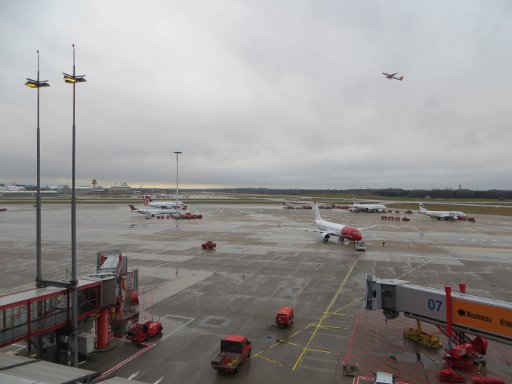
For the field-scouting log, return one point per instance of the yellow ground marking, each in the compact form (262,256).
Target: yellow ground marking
(319,350)
(294,344)
(284,341)
(328,309)
(266,358)
(336,313)
(325,326)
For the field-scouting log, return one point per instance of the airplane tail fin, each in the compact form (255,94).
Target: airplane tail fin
(422,208)
(317,211)
(401,78)
(355,200)
(132,207)
(146,199)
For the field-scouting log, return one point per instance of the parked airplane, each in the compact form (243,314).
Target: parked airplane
(446,215)
(164,204)
(12,188)
(328,229)
(361,207)
(152,212)
(393,76)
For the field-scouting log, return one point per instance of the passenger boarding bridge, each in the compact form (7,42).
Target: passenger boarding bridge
(35,312)
(474,315)
(107,297)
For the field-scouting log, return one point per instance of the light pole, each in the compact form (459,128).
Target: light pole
(177,189)
(73,79)
(38,84)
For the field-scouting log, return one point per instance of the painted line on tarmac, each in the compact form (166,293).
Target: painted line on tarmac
(284,341)
(413,270)
(324,317)
(124,362)
(324,326)
(190,319)
(266,358)
(336,313)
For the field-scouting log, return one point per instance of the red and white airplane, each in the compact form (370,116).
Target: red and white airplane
(163,204)
(393,76)
(363,207)
(152,212)
(328,229)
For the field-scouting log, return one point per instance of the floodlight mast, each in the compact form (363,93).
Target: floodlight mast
(38,84)
(73,79)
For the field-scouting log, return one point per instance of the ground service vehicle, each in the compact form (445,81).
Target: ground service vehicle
(350,369)
(234,352)
(208,244)
(140,332)
(487,380)
(284,317)
(360,245)
(448,375)
(384,378)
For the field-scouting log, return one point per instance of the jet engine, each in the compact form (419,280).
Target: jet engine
(325,236)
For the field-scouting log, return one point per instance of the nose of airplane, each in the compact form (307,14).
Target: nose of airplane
(351,233)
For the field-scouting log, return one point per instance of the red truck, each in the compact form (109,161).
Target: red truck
(234,351)
(140,332)
(284,317)
(209,244)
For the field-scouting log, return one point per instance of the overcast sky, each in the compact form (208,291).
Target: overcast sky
(260,93)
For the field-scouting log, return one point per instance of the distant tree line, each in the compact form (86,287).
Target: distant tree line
(388,192)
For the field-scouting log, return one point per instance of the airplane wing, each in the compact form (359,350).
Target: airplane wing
(319,231)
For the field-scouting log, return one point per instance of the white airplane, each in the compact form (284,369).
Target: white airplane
(164,204)
(393,76)
(445,215)
(361,207)
(12,188)
(152,212)
(328,229)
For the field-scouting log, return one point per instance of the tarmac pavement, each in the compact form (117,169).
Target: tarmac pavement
(264,260)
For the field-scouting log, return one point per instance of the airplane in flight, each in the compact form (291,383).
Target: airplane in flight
(361,207)
(445,215)
(164,204)
(393,76)
(152,212)
(328,229)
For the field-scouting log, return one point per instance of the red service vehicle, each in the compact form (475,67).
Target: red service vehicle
(487,380)
(234,352)
(140,332)
(448,375)
(284,317)
(187,216)
(209,244)
(460,356)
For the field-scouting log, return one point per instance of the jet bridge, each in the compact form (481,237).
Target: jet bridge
(477,316)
